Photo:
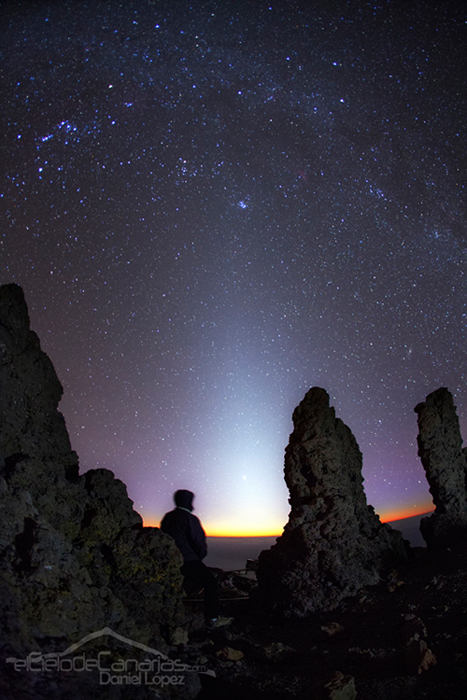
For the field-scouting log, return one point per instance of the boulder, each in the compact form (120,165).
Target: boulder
(445,463)
(341,687)
(333,543)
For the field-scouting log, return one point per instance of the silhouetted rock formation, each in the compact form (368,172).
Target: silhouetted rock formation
(74,555)
(445,464)
(333,543)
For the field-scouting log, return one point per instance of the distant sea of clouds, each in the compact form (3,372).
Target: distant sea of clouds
(231,553)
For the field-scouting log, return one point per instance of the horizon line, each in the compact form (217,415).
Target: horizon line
(220,532)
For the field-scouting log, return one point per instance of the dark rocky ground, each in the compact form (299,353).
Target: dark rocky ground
(401,639)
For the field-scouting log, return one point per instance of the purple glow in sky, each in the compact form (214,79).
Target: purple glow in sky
(212,207)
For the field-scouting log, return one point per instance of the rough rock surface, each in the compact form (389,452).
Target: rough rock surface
(74,555)
(333,543)
(445,464)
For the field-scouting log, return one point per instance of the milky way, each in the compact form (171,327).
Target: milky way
(212,207)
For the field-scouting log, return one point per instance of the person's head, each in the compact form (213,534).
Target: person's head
(184,499)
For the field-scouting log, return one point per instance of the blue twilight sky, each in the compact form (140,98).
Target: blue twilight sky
(213,206)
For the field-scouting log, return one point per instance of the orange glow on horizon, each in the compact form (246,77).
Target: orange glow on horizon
(151,522)
(403,513)
(226,531)
(219,530)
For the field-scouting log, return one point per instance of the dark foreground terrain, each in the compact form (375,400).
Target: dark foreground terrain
(404,638)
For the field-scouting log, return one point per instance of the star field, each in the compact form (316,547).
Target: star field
(212,207)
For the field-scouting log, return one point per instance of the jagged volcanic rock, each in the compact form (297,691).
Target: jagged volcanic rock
(445,464)
(333,543)
(74,555)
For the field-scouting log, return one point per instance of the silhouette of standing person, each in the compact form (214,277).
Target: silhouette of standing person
(190,538)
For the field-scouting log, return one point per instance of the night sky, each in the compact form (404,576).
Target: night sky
(214,206)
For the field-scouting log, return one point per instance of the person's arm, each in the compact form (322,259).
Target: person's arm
(198,538)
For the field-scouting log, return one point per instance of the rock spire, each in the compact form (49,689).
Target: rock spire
(445,463)
(333,543)
(74,555)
